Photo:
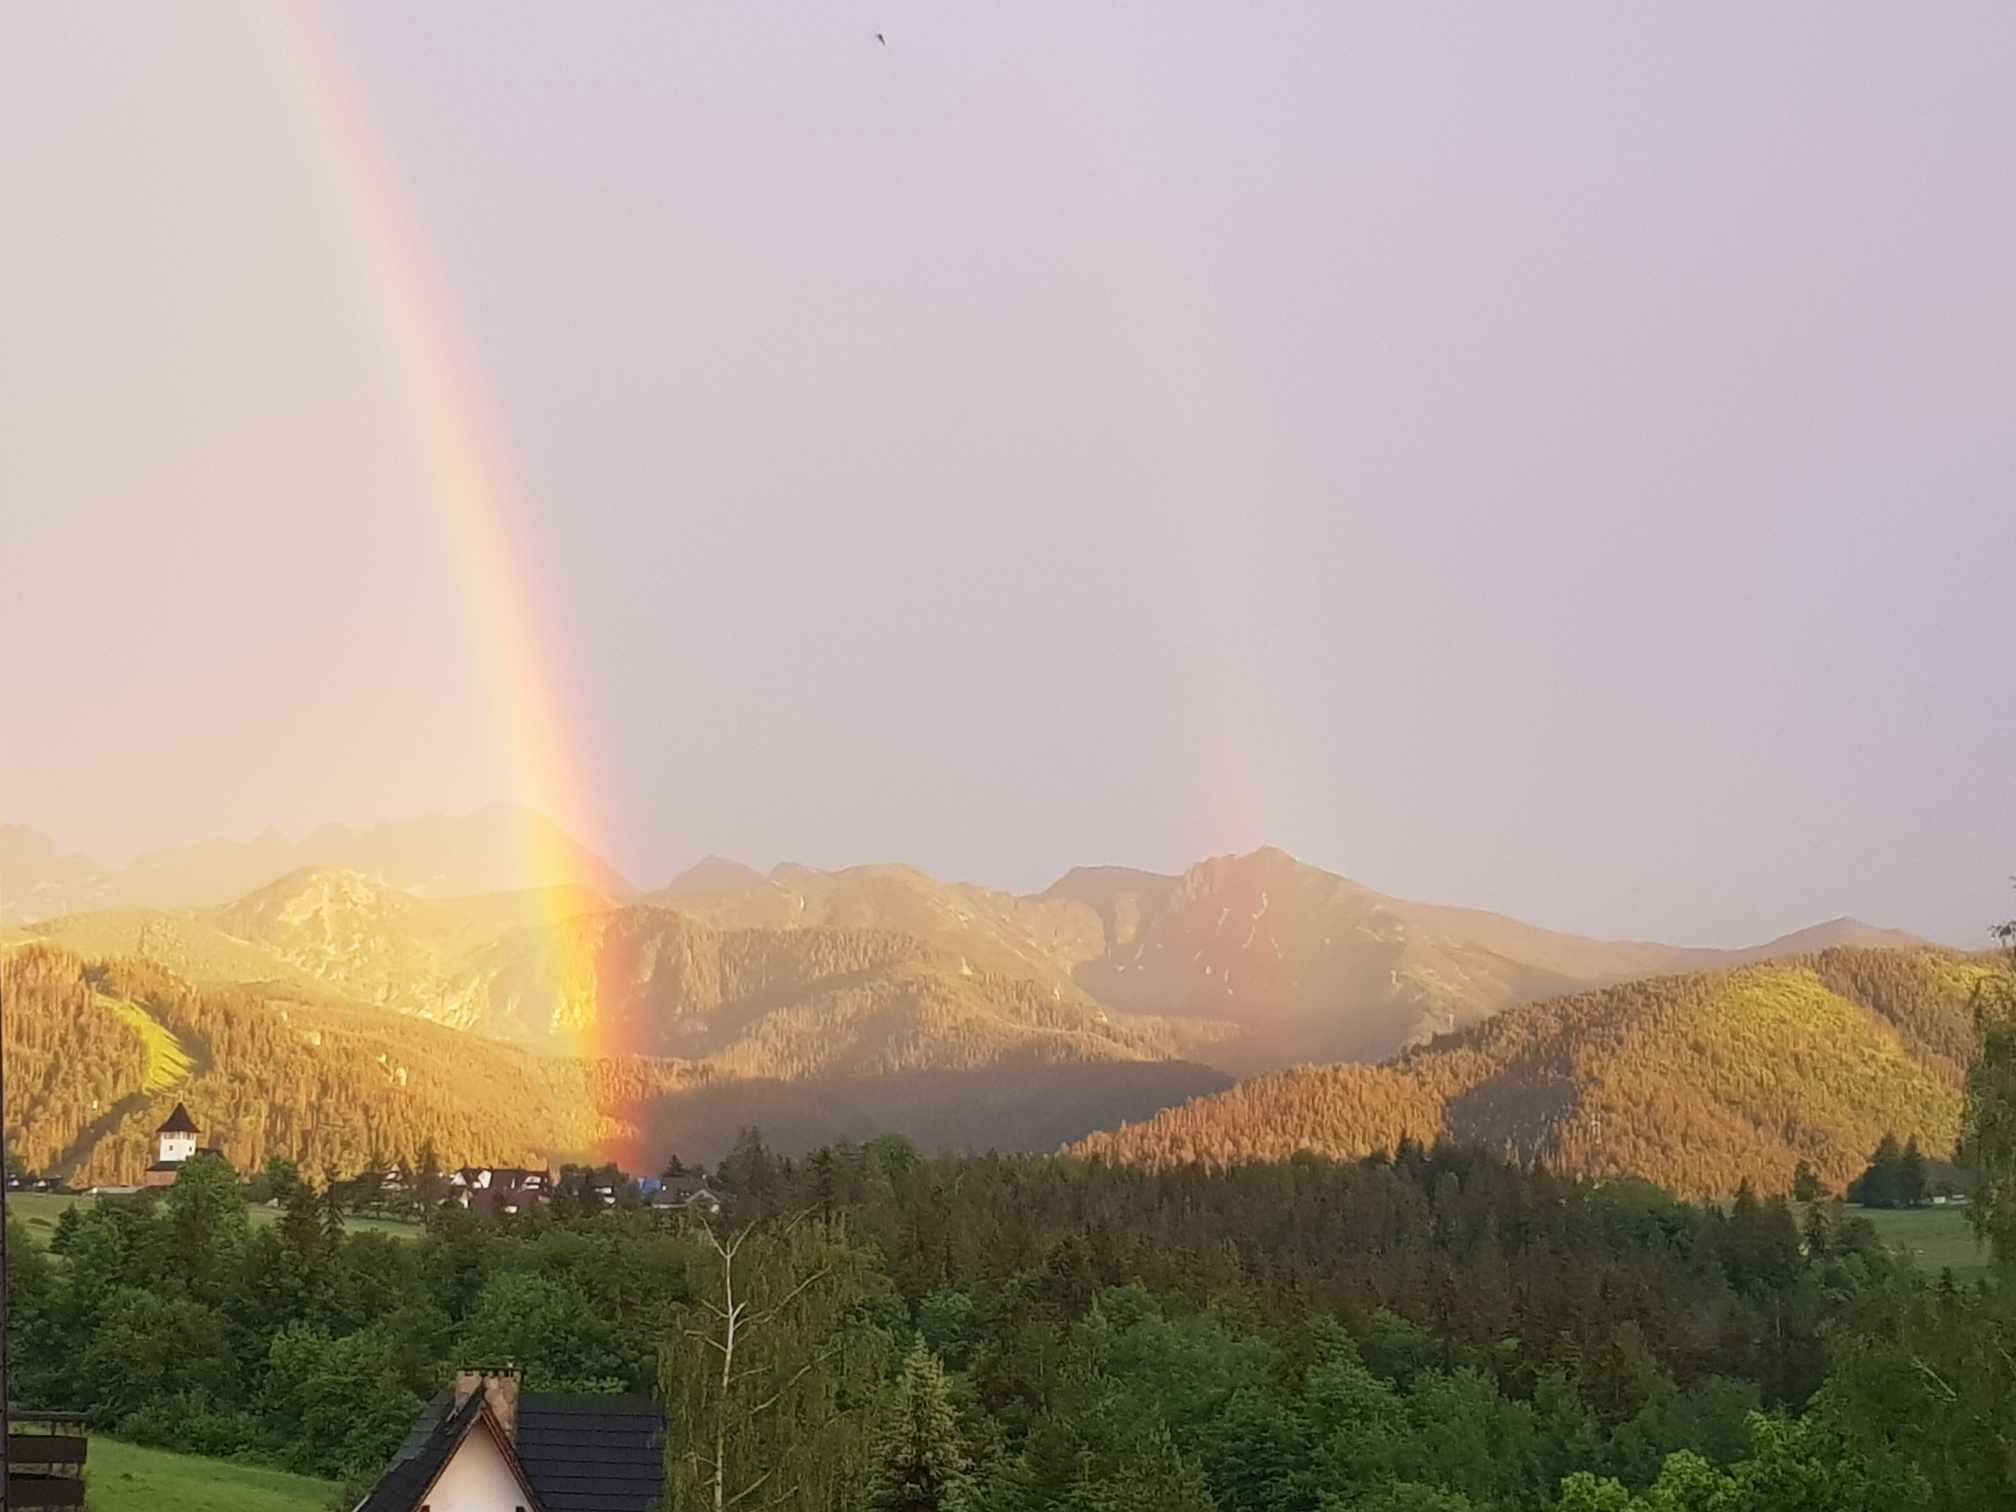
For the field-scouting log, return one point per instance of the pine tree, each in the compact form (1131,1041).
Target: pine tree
(332,1208)
(921,1466)
(1878,1186)
(1152,1477)
(1818,1233)
(1911,1175)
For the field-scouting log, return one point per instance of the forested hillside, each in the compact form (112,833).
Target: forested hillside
(1696,1082)
(97,1054)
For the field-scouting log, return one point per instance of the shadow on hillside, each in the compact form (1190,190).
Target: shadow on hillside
(1014,1108)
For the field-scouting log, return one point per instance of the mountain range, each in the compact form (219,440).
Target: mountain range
(802,998)
(1247,963)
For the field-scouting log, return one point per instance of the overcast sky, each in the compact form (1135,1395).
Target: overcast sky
(1557,458)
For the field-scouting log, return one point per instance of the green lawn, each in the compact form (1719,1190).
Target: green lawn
(1935,1237)
(39,1211)
(126,1478)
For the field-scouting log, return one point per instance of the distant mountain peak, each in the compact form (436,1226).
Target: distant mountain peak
(713,873)
(1089,883)
(1828,935)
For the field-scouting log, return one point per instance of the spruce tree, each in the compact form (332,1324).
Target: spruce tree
(1878,1185)
(1911,1175)
(921,1465)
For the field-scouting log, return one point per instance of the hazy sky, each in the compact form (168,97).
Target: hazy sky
(1557,458)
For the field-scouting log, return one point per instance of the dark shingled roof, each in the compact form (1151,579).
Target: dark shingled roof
(426,1451)
(592,1453)
(179,1122)
(581,1453)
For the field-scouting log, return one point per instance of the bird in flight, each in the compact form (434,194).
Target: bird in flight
(882,39)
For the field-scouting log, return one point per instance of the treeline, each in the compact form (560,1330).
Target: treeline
(1435,1330)
(1696,1083)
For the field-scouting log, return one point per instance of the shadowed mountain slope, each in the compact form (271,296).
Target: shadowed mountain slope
(1696,1082)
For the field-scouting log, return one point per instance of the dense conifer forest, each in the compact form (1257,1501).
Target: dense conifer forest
(1434,1329)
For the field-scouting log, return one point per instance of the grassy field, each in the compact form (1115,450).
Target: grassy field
(1935,1237)
(167,1061)
(127,1478)
(39,1212)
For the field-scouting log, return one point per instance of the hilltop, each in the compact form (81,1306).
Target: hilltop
(1695,1082)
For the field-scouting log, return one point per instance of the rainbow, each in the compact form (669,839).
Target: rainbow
(515,619)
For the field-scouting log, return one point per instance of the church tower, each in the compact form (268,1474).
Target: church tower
(176,1138)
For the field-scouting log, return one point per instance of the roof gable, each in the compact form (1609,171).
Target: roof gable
(430,1452)
(179,1122)
(574,1453)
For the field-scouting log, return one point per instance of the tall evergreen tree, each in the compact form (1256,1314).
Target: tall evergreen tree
(1911,1174)
(1878,1185)
(920,1463)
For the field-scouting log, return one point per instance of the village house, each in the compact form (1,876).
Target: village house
(682,1194)
(499,1189)
(175,1144)
(485,1445)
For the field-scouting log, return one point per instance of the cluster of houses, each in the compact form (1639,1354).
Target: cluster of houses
(483,1189)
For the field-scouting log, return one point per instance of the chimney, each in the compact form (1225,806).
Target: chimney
(499,1386)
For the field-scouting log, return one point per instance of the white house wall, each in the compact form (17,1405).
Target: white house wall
(477,1479)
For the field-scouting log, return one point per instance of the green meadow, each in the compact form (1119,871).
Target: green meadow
(1935,1237)
(124,1477)
(167,1061)
(38,1212)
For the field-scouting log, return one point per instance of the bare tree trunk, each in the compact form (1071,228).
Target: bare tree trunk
(727,1253)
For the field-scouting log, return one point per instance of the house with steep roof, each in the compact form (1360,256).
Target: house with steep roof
(485,1445)
(175,1145)
(683,1194)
